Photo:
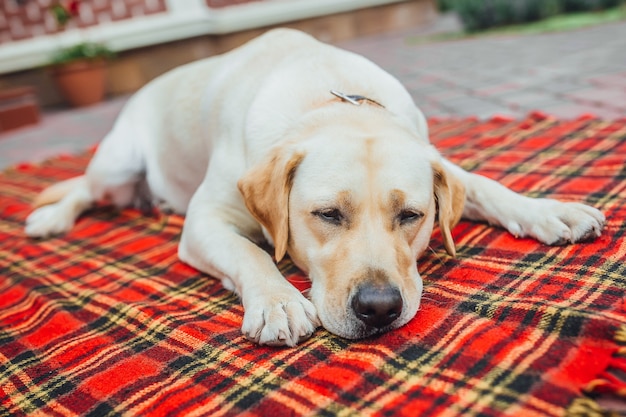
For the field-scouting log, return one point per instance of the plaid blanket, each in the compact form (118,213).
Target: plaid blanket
(107,320)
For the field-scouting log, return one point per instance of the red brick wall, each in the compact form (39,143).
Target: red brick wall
(23,19)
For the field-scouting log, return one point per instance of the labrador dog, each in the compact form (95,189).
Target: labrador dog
(320,152)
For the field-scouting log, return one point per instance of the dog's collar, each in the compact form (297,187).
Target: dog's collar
(355,99)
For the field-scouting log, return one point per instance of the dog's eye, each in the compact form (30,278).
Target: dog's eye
(332,215)
(409,216)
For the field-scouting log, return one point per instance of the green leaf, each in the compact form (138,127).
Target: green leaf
(84,50)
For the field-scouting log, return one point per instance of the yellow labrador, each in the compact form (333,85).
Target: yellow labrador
(320,151)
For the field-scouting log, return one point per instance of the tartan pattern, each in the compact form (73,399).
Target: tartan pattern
(107,321)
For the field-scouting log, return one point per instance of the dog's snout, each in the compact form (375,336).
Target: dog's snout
(377,306)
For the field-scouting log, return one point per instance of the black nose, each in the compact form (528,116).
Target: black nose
(377,306)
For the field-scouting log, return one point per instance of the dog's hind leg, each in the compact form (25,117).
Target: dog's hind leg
(113,176)
(58,207)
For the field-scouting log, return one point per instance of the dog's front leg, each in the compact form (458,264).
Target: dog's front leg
(549,221)
(275,312)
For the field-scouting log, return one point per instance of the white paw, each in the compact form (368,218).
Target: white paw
(556,223)
(278,317)
(49,220)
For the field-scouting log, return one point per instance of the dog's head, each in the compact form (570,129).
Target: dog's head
(354,205)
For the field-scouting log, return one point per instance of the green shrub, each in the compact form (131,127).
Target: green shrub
(580,5)
(444,5)
(587,5)
(483,14)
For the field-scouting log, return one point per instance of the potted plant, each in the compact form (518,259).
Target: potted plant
(79,71)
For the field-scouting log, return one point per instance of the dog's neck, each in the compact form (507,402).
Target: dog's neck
(357,100)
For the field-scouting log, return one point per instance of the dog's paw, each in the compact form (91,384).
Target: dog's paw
(49,220)
(279,317)
(556,223)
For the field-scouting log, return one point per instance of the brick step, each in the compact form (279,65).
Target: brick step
(18,107)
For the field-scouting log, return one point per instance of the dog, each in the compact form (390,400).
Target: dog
(316,150)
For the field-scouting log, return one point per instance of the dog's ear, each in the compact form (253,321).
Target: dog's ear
(450,198)
(265,189)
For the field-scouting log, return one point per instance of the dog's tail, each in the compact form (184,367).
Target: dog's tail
(57,191)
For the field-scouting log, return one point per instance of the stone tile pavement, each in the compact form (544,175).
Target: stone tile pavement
(566,74)
(59,132)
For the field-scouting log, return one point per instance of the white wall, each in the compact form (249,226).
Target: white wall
(184,19)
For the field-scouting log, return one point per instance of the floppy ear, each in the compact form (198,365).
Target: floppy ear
(450,198)
(265,189)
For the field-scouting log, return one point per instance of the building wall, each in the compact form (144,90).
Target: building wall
(24,19)
(133,68)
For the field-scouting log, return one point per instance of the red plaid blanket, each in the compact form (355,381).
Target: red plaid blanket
(107,320)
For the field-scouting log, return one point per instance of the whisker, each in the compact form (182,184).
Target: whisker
(434,301)
(436,255)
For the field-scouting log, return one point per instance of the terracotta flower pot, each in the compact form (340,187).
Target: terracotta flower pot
(82,82)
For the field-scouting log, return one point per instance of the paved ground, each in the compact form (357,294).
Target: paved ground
(565,74)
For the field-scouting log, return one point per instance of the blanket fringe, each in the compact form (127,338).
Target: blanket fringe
(611,383)
(588,407)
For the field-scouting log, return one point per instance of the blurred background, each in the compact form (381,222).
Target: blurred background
(458,58)
(150,37)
